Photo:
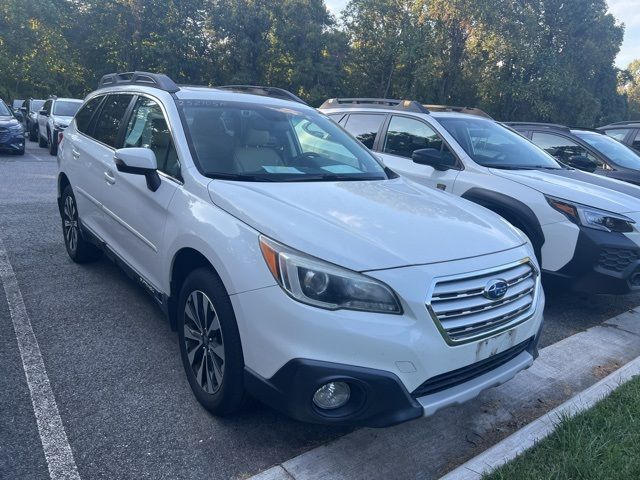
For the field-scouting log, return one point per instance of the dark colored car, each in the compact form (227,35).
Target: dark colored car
(11,131)
(587,150)
(625,132)
(15,106)
(30,109)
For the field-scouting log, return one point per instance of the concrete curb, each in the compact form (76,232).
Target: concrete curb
(527,437)
(430,447)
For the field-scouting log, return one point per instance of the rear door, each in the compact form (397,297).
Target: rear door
(137,216)
(80,165)
(96,153)
(403,135)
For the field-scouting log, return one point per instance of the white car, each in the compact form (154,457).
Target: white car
(321,283)
(53,118)
(584,227)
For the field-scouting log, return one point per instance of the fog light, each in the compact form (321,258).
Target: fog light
(332,395)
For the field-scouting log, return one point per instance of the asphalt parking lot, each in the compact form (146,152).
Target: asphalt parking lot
(114,367)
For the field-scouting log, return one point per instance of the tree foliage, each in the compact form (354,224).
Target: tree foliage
(549,60)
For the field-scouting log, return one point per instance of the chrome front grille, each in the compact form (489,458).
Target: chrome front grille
(463,312)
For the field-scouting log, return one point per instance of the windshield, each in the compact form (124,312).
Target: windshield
(264,143)
(36,105)
(612,149)
(4,110)
(66,109)
(495,146)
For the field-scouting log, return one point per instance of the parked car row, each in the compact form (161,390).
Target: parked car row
(11,131)
(42,121)
(340,281)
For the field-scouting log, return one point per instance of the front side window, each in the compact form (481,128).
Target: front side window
(364,127)
(617,152)
(264,143)
(83,118)
(47,106)
(36,105)
(636,141)
(562,148)
(108,123)
(148,129)
(494,146)
(63,108)
(617,133)
(406,135)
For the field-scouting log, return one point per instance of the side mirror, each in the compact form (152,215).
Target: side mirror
(582,162)
(23,109)
(43,112)
(139,161)
(434,158)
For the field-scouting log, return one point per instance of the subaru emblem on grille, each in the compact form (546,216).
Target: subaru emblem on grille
(495,289)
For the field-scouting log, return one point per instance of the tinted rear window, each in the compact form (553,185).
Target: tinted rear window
(364,127)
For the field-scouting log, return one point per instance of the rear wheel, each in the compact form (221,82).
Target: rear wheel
(210,343)
(80,250)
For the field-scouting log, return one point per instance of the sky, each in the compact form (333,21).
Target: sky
(625,11)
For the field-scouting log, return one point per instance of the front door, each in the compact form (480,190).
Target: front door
(403,136)
(138,215)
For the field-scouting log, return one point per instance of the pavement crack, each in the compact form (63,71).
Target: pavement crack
(618,327)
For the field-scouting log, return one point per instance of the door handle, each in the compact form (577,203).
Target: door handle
(75,153)
(109,178)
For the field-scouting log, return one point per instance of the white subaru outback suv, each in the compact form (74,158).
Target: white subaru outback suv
(294,266)
(583,227)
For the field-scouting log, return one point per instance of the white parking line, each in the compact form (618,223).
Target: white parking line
(57,450)
(38,159)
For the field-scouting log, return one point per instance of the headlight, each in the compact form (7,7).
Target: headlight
(322,284)
(592,217)
(16,128)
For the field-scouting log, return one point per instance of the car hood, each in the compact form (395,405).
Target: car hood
(367,225)
(7,121)
(580,187)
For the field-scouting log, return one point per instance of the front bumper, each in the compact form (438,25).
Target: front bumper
(291,349)
(603,262)
(11,141)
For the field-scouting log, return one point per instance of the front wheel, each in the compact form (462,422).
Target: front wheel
(80,250)
(42,142)
(53,144)
(210,343)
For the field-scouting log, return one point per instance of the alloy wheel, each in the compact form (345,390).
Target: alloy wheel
(203,341)
(70,223)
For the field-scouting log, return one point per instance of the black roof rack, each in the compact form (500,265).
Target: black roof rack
(406,105)
(274,92)
(468,110)
(627,122)
(538,124)
(156,80)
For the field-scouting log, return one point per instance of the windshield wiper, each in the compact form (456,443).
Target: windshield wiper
(328,177)
(240,177)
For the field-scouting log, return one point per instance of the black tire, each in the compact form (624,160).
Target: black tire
(42,142)
(20,152)
(227,395)
(33,133)
(53,144)
(79,249)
